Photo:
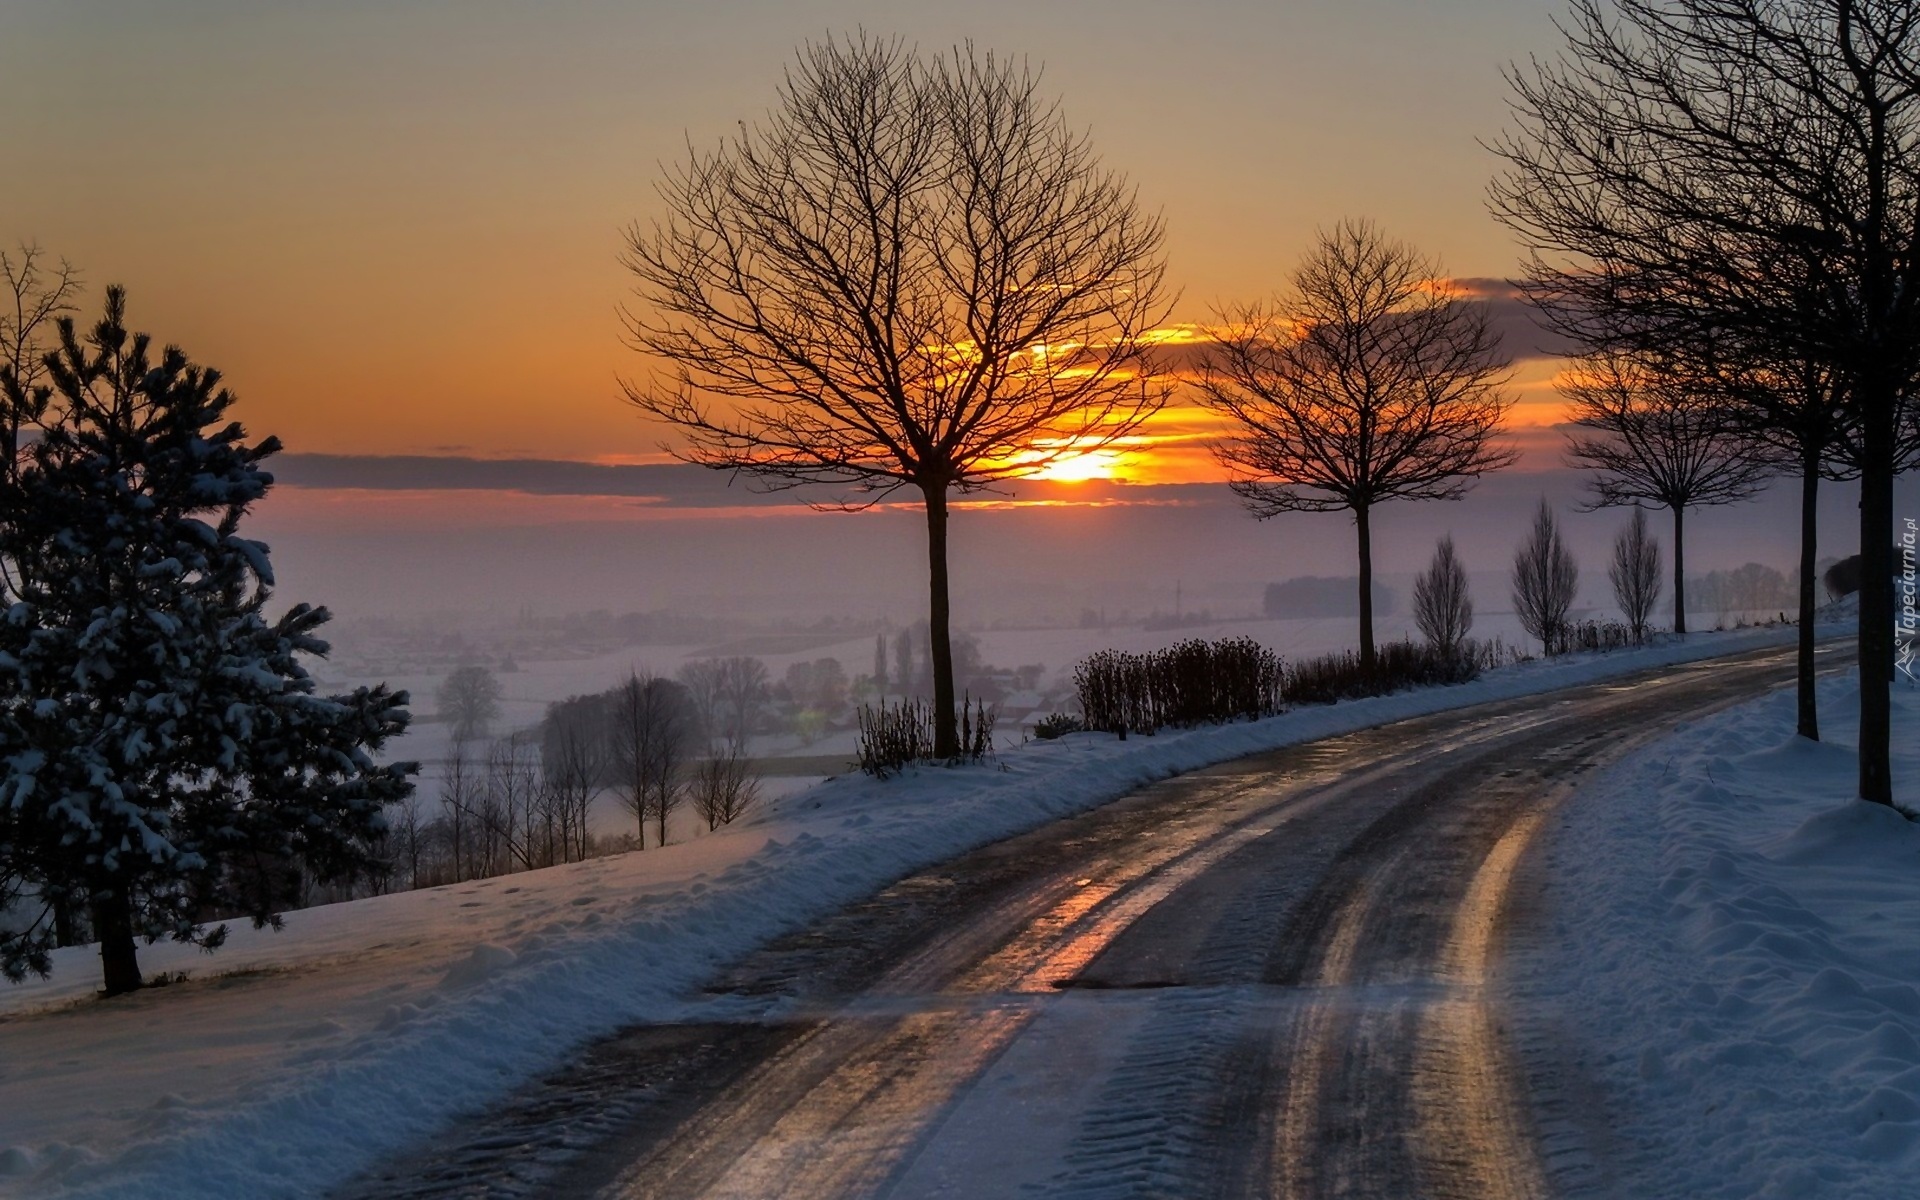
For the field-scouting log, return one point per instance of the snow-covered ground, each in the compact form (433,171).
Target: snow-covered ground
(1734,960)
(290,1060)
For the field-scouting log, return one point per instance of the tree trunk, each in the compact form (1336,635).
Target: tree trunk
(113,922)
(946,735)
(64,931)
(1876,595)
(1679,570)
(1808,724)
(1360,519)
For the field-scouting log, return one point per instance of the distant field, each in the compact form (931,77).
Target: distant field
(772,645)
(805,765)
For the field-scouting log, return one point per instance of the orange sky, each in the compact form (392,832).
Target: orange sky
(394,227)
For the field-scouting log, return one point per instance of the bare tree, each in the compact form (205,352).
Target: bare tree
(914,274)
(1545,579)
(905,674)
(469,700)
(1371,381)
(574,763)
(1442,607)
(1794,406)
(1682,158)
(520,808)
(458,796)
(724,786)
(652,728)
(1635,573)
(1653,434)
(741,691)
(408,840)
(704,679)
(37,294)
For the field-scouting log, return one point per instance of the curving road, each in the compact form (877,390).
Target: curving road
(1275,977)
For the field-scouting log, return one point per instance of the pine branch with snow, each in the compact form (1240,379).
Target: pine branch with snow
(165,760)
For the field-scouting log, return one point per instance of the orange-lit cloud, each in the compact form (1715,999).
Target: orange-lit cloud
(1172,447)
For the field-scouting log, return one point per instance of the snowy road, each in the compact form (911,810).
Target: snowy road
(1273,977)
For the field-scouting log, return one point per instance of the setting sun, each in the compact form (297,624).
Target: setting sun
(1079,468)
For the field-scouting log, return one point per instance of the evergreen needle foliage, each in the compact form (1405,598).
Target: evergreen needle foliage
(1057,725)
(164,758)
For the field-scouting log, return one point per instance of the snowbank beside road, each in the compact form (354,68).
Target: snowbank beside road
(363,1027)
(1735,963)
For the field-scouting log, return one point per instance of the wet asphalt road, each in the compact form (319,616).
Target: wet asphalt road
(1274,977)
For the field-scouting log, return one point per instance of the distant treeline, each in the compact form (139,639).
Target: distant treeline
(1324,596)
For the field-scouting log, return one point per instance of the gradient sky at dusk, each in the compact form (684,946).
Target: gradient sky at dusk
(394,225)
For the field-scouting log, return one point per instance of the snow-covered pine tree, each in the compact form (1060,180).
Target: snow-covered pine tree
(165,761)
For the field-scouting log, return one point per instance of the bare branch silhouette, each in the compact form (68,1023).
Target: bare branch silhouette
(1689,171)
(1369,381)
(1654,436)
(913,274)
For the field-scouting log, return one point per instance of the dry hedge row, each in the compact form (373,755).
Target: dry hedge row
(1396,665)
(892,737)
(1592,635)
(1190,683)
(1197,682)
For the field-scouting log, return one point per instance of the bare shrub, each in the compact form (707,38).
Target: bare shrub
(1635,574)
(1442,606)
(1057,725)
(1592,637)
(1191,683)
(894,737)
(1545,578)
(1396,665)
(723,787)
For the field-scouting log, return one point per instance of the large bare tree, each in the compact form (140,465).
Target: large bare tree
(1371,380)
(913,274)
(1680,157)
(1652,434)
(1794,407)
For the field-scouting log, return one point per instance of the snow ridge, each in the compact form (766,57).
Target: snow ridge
(1736,942)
